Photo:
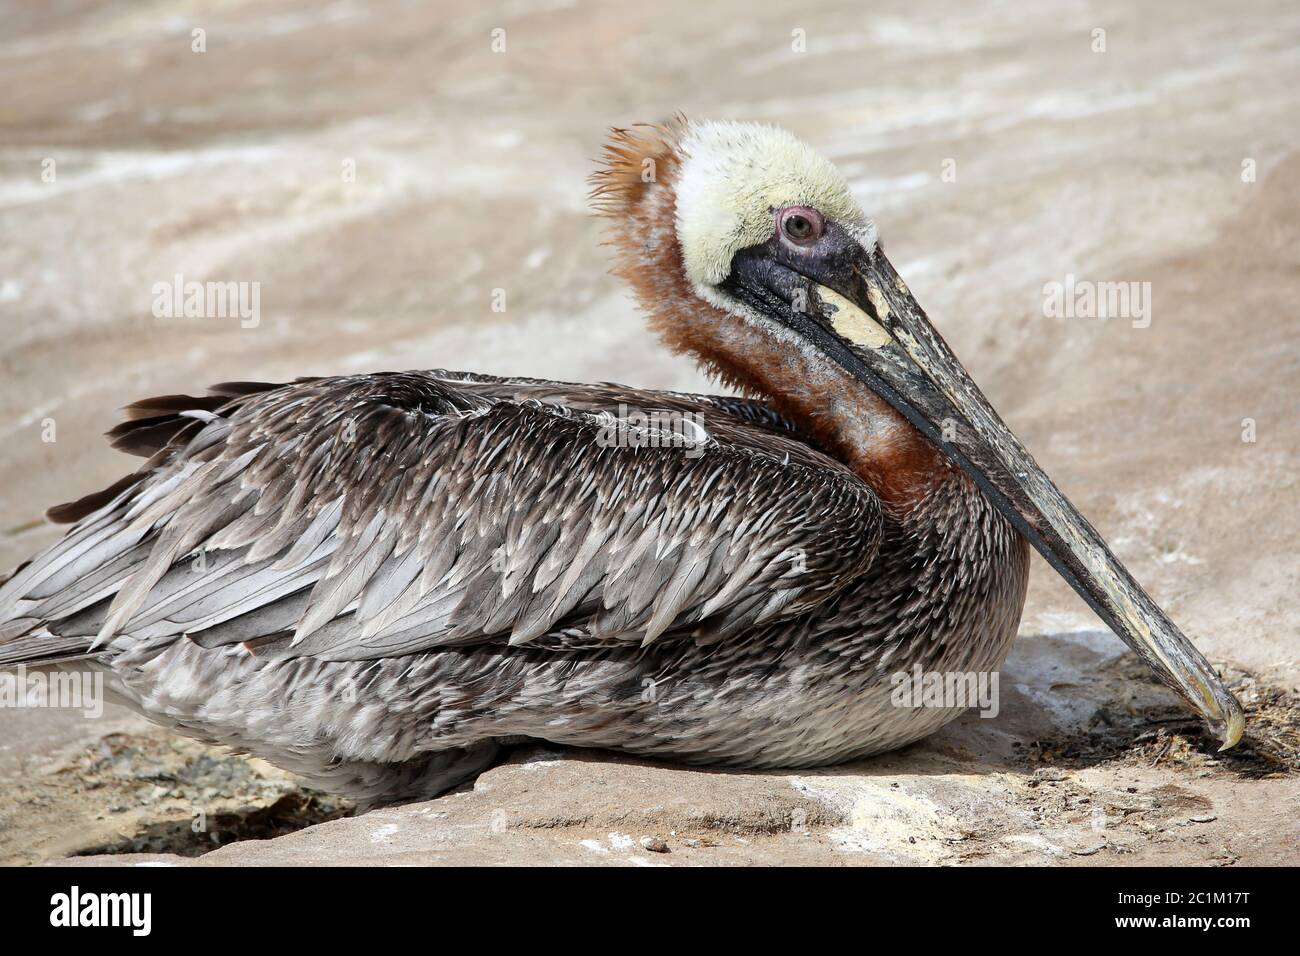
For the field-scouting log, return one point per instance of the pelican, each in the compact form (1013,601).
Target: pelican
(376,581)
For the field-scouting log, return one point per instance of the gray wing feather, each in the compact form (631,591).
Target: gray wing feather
(367,516)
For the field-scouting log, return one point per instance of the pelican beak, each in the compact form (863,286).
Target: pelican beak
(862,316)
(895,348)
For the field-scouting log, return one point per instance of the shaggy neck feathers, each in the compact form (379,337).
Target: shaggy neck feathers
(636,190)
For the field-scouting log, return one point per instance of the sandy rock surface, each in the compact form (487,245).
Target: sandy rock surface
(1122,165)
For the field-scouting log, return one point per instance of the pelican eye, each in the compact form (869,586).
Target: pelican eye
(801,225)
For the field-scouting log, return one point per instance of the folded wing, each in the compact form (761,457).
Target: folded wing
(382,515)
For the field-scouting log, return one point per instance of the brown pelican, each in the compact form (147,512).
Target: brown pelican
(377,580)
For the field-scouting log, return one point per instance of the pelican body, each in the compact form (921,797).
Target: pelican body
(377,580)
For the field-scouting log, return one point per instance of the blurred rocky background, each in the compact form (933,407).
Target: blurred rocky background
(376,170)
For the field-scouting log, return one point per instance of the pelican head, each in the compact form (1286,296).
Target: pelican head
(748,250)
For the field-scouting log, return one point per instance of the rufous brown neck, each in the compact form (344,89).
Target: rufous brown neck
(635,190)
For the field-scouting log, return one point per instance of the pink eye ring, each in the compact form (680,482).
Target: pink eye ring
(801,225)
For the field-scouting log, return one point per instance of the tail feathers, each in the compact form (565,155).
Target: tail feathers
(88,504)
(152,427)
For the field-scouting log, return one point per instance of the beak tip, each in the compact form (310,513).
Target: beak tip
(1234,727)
